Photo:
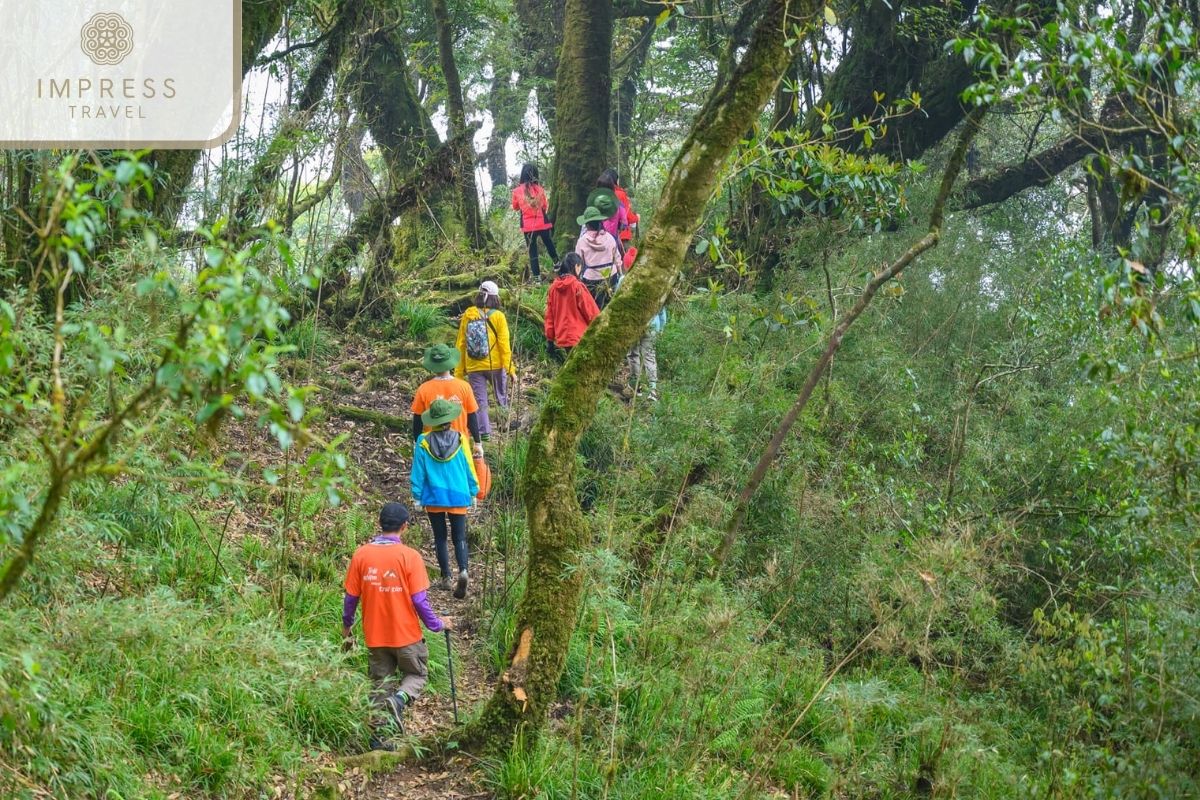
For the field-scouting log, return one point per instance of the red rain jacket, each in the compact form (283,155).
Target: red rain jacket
(569,310)
(533,205)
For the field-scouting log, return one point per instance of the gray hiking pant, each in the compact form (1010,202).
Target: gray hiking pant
(412,664)
(643,354)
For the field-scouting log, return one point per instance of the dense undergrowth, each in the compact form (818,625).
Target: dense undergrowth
(968,574)
(976,536)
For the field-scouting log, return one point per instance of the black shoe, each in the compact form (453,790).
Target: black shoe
(395,704)
(382,744)
(460,588)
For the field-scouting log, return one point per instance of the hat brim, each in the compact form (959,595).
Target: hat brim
(446,366)
(608,194)
(432,421)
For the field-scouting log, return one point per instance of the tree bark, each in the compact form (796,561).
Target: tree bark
(541,24)
(386,96)
(1115,130)
(457,113)
(557,529)
(440,169)
(928,241)
(584,95)
(256,196)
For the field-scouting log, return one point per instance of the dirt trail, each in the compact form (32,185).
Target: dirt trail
(384,457)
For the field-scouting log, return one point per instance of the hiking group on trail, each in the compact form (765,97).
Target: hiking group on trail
(451,420)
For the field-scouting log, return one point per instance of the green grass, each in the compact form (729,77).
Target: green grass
(135,697)
(417,320)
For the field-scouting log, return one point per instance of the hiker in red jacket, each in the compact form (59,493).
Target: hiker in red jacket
(569,308)
(530,199)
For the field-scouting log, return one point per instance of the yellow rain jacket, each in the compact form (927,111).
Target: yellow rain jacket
(500,346)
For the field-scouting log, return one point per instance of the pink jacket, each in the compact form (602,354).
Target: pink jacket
(530,199)
(600,254)
(618,223)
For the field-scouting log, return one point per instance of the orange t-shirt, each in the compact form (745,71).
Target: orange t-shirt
(385,575)
(452,389)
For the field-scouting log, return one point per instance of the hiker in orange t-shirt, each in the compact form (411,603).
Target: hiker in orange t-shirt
(441,359)
(388,577)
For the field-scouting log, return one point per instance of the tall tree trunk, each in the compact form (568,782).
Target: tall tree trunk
(584,95)
(258,194)
(557,529)
(505,111)
(457,112)
(386,96)
(627,94)
(541,24)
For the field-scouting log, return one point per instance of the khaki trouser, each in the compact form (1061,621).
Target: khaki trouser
(412,664)
(644,354)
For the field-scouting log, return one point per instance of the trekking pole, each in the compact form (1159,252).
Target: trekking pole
(450,662)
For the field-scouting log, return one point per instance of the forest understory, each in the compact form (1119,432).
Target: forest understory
(911,513)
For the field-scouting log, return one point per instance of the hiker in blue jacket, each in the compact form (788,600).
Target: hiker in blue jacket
(445,485)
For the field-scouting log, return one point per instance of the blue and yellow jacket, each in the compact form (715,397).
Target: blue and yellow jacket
(443,472)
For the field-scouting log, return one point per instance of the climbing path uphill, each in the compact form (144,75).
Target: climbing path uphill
(372,408)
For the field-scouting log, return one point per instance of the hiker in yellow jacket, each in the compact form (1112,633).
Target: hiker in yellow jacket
(486,349)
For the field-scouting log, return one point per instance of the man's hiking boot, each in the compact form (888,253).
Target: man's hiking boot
(395,704)
(442,585)
(460,588)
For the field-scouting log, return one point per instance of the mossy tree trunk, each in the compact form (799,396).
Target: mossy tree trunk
(457,113)
(557,528)
(388,102)
(386,96)
(583,96)
(541,27)
(632,65)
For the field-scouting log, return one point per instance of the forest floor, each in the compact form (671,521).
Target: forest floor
(383,456)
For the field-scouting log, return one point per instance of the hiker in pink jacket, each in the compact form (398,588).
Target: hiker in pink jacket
(601,256)
(529,198)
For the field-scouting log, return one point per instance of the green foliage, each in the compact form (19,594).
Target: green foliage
(417,320)
(202,702)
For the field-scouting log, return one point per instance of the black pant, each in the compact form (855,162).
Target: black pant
(531,240)
(458,531)
(601,290)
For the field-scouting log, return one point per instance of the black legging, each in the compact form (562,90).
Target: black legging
(531,240)
(458,530)
(601,290)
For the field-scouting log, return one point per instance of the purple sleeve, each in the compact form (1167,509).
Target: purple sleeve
(349,609)
(425,611)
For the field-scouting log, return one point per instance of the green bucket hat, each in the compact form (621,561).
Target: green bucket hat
(590,214)
(441,358)
(441,412)
(604,201)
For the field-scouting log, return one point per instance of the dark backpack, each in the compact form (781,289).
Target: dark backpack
(479,343)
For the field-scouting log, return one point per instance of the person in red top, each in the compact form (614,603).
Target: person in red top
(570,307)
(530,199)
(609,180)
(389,579)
